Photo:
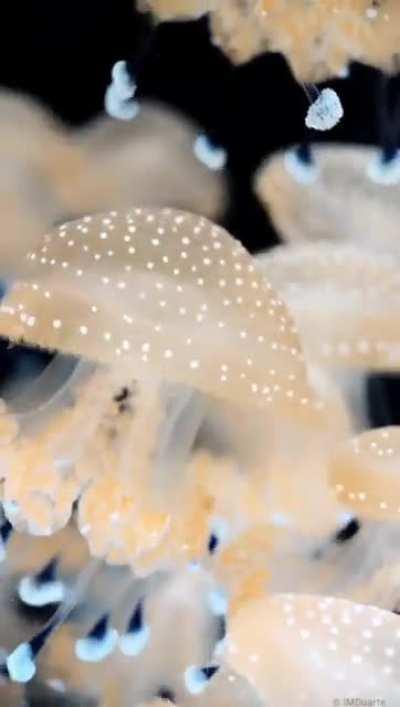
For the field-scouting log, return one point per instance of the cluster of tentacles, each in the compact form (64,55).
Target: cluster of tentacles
(198,428)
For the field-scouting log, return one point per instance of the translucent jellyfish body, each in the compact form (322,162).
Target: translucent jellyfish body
(170,301)
(344,301)
(328,647)
(318,40)
(148,161)
(331,196)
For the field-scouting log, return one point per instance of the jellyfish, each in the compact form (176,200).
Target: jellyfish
(148,161)
(326,193)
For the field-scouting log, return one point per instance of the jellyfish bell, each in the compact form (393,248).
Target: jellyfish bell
(327,645)
(328,194)
(148,161)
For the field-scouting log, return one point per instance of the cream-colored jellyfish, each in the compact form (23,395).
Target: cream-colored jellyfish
(318,39)
(333,192)
(331,649)
(148,161)
(170,301)
(344,301)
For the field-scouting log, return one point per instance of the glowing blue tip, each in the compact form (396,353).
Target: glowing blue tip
(211,156)
(34,594)
(20,664)
(196,679)
(93,650)
(383,171)
(303,172)
(131,644)
(218,602)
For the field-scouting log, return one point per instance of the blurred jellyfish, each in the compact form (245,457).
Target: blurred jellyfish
(150,161)
(326,193)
